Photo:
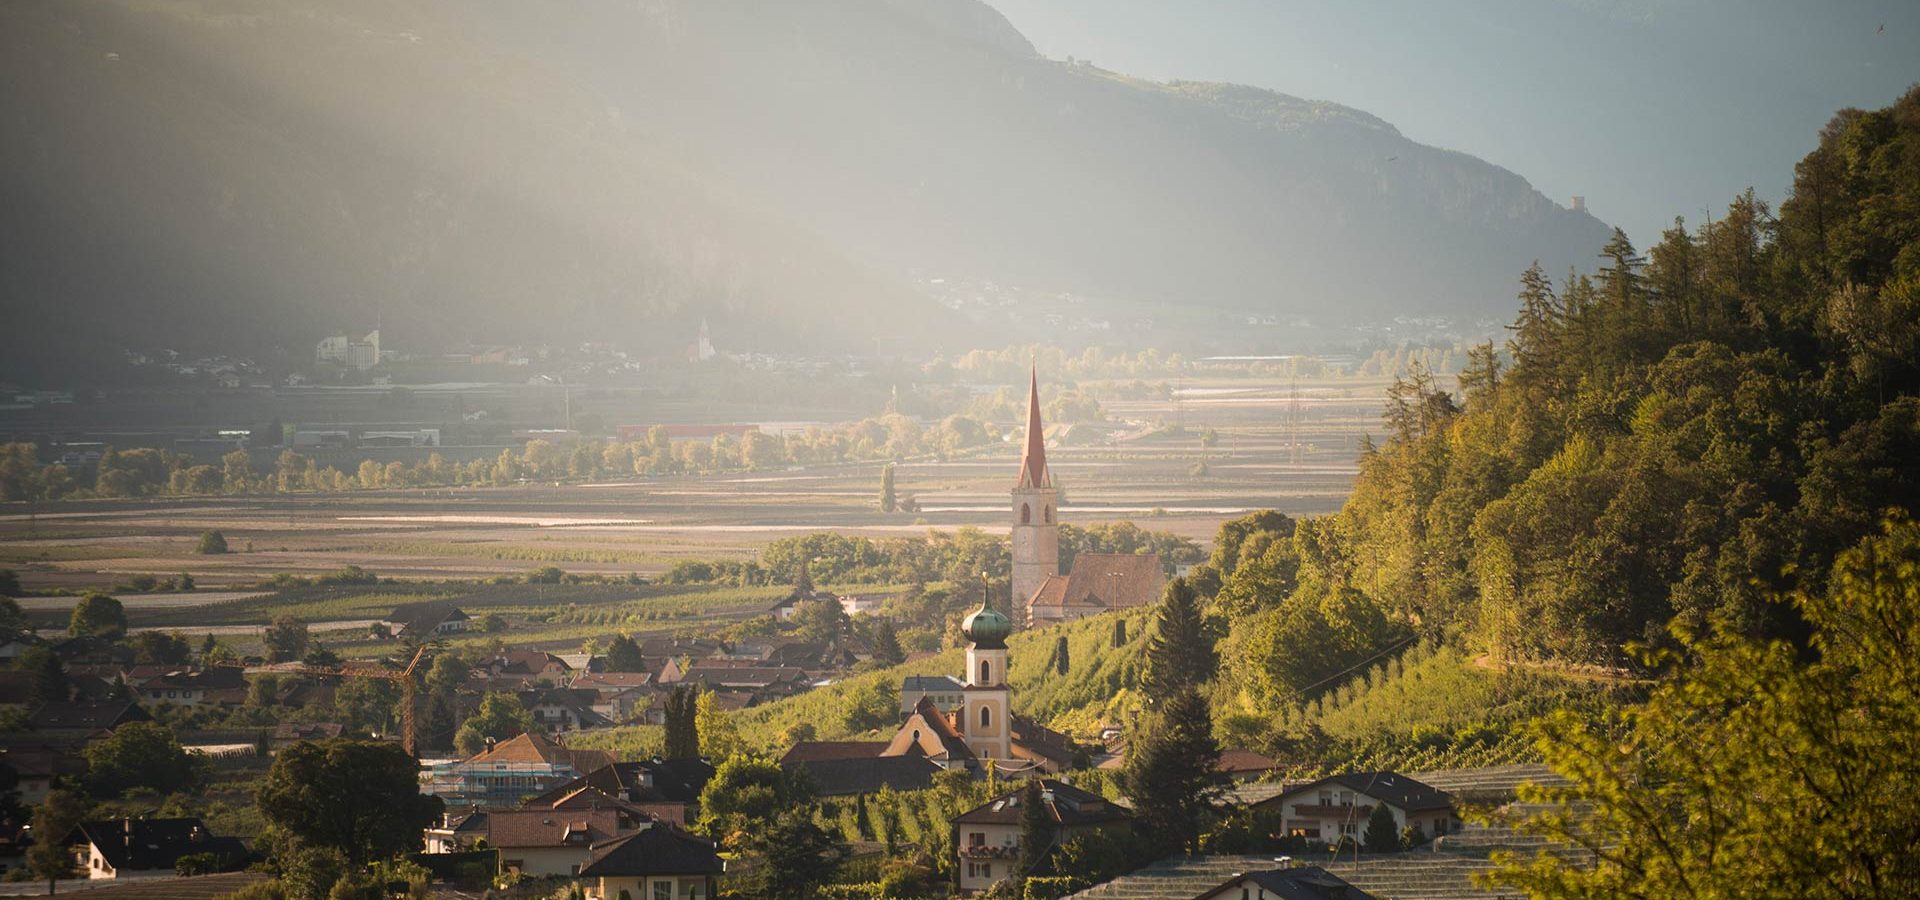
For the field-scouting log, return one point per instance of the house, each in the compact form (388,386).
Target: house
(667,789)
(526,666)
(658,862)
(535,841)
(1099,582)
(1245,765)
(423,621)
(930,733)
(987,837)
(36,767)
(90,650)
(854,605)
(287,734)
(760,683)
(122,848)
(559,710)
(84,717)
(815,751)
(945,691)
(1337,807)
(504,773)
(217,686)
(847,776)
(617,695)
(1291,883)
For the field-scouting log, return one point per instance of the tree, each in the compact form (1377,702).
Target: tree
(1180,653)
(874,706)
(888,502)
(1037,830)
(53,821)
(886,644)
(161,648)
(358,797)
(1170,772)
(499,717)
(623,655)
(366,705)
(744,796)
(1760,769)
(1381,836)
(719,739)
(790,857)
(49,682)
(140,755)
(286,639)
(820,621)
(211,543)
(683,726)
(1062,660)
(98,615)
(10,584)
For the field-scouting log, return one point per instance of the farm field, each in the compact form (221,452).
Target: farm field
(1278,446)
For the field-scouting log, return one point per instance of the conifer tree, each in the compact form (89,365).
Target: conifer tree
(1170,773)
(1381,835)
(683,732)
(1180,654)
(888,502)
(1036,829)
(1061,662)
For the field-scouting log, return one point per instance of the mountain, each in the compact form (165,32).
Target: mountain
(196,173)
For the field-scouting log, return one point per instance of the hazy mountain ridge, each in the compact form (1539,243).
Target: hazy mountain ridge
(198,172)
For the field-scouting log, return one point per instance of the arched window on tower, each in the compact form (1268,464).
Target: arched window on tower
(1026,514)
(1049,515)
(986,669)
(986,716)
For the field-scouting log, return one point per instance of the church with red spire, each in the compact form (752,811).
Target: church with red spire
(1098,582)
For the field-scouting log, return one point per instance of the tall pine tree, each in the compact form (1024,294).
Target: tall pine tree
(1170,773)
(683,733)
(1180,654)
(1036,829)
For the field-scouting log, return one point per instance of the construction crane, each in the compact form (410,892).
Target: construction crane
(408,731)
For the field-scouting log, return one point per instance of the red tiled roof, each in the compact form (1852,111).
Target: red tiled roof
(811,751)
(533,748)
(1104,581)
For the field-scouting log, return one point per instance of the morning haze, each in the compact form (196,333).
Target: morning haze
(692,449)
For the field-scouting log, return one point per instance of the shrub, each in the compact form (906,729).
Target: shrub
(212,543)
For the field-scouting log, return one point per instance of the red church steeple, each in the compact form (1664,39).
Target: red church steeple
(1033,463)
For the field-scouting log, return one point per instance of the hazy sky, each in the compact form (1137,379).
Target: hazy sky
(1648,108)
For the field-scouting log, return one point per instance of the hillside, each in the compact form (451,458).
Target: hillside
(195,173)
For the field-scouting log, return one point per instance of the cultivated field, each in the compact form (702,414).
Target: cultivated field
(1279,446)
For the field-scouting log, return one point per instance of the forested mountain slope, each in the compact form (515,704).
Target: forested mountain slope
(1673,442)
(200,173)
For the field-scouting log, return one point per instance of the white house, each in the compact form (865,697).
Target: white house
(1338,806)
(987,837)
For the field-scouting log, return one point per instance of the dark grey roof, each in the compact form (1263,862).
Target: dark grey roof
(1069,805)
(840,777)
(91,715)
(1392,788)
(931,683)
(139,845)
(659,850)
(646,781)
(423,617)
(1296,883)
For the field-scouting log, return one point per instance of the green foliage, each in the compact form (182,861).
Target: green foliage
(59,814)
(285,639)
(888,502)
(360,798)
(10,588)
(1180,654)
(623,655)
(877,705)
(499,717)
(140,755)
(1037,831)
(212,543)
(745,795)
(98,615)
(789,856)
(1757,771)
(1381,836)
(1169,772)
(49,682)
(683,734)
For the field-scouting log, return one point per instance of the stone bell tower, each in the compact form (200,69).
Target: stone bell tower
(1036,529)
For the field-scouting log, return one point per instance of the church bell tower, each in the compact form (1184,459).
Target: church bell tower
(1036,531)
(986,712)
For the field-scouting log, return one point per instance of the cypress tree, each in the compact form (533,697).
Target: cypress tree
(1180,654)
(683,730)
(1381,836)
(1061,661)
(888,502)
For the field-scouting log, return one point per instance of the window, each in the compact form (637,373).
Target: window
(1026,514)
(986,669)
(986,716)
(1347,828)
(1326,798)
(663,889)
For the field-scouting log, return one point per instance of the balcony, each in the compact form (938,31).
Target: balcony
(989,851)
(1330,811)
